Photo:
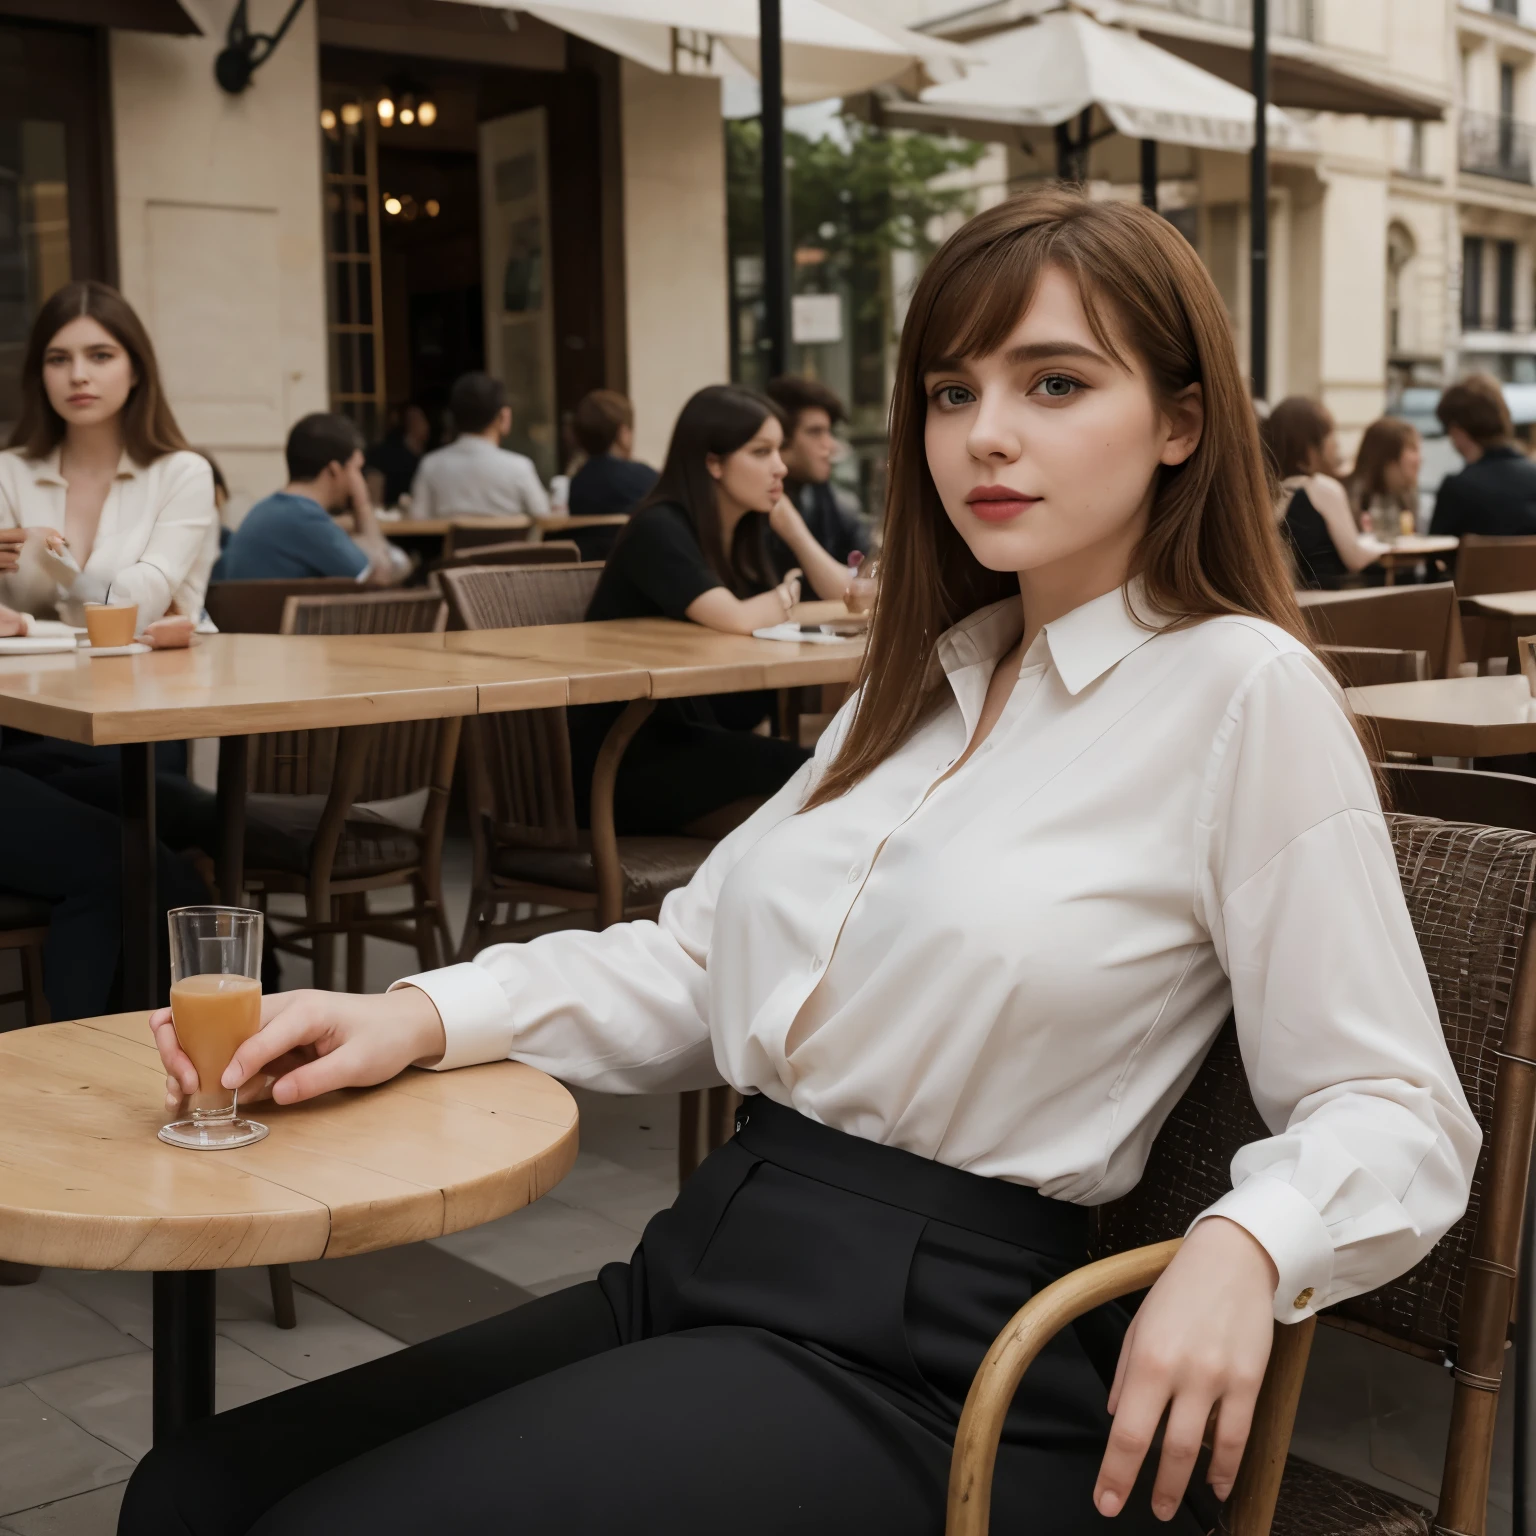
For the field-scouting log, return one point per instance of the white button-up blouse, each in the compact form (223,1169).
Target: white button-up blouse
(156,542)
(1017,970)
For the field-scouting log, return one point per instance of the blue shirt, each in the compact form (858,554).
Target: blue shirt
(288,536)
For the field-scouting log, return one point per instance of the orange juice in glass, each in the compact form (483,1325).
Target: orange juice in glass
(215,1007)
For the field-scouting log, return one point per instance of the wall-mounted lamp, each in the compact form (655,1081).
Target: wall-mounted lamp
(245,51)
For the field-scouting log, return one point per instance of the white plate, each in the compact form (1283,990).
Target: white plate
(35,645)
(115,650)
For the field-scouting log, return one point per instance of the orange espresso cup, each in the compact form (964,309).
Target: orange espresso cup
(111,624)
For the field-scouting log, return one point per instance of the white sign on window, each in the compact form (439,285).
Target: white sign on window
(816,317)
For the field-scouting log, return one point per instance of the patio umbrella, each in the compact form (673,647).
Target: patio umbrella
(1049,72)
(831,47)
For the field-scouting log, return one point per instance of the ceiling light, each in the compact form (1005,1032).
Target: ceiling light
(392,205)
(386,110)
(351,114)
(433,207)
(407,116)
(426,114)
(328,120)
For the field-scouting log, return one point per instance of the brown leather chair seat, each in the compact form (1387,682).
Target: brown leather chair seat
(280,831)
(652,865)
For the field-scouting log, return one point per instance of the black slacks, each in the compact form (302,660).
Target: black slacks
(787,1351)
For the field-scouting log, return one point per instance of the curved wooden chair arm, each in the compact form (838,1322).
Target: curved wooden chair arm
(1252,1503)
(605,842)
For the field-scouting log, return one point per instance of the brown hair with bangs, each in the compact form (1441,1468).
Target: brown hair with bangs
(1211,544)
(148,427)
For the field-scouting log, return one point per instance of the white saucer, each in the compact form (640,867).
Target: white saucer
(136,649)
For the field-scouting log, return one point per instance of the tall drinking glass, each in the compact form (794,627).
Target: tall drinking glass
(215,1006)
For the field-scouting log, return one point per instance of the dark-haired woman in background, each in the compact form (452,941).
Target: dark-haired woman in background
(696,549)
(113,507)
(1326,546)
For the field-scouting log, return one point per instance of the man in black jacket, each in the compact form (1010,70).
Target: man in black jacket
(1496,493)
(810,412)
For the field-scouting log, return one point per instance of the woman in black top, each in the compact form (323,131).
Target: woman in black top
(1326,546)
(696,549)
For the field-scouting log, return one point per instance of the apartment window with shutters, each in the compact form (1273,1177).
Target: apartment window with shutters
(1504,295)
(1471,283)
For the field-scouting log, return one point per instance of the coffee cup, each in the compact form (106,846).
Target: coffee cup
(111,624)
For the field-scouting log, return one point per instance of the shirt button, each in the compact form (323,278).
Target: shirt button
(854,873)
(1302,1299)
(816,962)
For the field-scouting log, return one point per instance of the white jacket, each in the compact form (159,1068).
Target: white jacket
(155,544)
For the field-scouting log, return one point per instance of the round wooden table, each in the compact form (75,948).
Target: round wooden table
(85,1184)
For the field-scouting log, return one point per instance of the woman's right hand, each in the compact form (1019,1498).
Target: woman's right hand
(311,1043)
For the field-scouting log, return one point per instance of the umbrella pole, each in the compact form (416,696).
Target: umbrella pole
(1258,214)
(1149,172)
(775,199)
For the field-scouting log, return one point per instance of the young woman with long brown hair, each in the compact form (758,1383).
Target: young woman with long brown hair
(1093,793)
(98,466)
(1385,480)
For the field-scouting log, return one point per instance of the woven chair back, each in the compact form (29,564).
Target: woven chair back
(523,758)
(1469,892)
(551,552)
(1487,564)
(400,761)
(1420,618)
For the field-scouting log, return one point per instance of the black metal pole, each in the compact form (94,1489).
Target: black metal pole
(234,779)
(775,198)
(1258,297)
(184,1346)
(141,910)
(1149,172)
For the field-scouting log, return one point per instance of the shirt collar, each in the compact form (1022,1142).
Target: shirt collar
(1082,645)
(45,471)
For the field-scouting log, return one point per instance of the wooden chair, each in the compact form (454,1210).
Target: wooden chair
(322,798)
(1419,618)
(556,552)
(594,536)
(1462,794)
(469,532)
(256,607)
(1469,891)
(527,846)
(24,928)
(1487,564)
(1359,666)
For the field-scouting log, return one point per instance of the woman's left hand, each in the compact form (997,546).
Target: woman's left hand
(172,633)
(1200,1341)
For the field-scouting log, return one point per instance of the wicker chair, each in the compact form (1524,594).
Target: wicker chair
(527,847)
(555,552)
(314,795)
(24,928)
(1360,666)
(1422,618)
(256,607)
(1470,895)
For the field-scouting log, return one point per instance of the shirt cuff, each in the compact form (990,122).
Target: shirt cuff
(477,1018)
(1290,1229)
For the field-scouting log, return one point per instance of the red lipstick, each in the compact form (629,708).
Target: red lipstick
(999,503)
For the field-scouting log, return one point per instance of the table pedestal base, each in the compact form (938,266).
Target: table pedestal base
(183,1332)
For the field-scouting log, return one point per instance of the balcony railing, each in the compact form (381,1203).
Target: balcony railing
(1289,18)
(1495,145)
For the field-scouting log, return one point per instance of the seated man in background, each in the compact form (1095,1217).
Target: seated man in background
(292,533)
(391,464)
(810,410)
(1496,493)
(474,476)
(611,482)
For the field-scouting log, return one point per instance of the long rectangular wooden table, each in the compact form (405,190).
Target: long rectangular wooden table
(1452,717)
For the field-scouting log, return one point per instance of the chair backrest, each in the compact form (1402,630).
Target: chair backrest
(552,552)
(1415,618)
(1462,794)
(520,761)
(1470,896)
(1488,564)
(256,607)
(1360,666)
(402,757)
(507,597)
(471,532)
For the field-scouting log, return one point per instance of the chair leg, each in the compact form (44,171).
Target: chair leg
(722,1117)
(355,910)
(32,982)
(323,947)
(689,1113)
(426,927)
(280,1278)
